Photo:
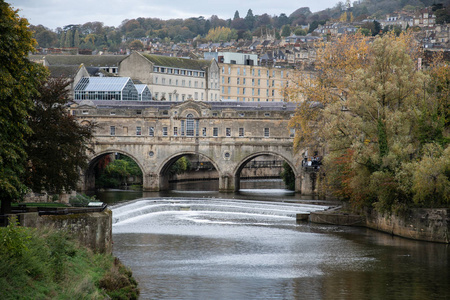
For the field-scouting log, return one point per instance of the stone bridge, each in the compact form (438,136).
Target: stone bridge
(156,134)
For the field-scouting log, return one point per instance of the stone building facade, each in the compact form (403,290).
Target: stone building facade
(173,78)
(245,83)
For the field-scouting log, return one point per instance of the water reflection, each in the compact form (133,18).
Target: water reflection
(199,254)
(262,189)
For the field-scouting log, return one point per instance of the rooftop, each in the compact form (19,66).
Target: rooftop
(176,62)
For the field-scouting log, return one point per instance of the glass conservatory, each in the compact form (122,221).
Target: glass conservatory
(106,88)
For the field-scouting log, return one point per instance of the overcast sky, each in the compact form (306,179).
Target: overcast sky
(57,13)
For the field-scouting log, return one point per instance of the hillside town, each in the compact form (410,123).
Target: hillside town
(242,70)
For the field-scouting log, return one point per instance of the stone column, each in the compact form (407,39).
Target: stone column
(151,183)
(226,183)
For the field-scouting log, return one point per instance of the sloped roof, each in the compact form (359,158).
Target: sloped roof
(140,87)
(176,62)
(87,60)
(63,71)
(102,84)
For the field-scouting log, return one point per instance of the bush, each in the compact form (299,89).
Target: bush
(81,200)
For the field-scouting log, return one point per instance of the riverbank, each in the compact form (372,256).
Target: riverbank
(423,224)
(46,263)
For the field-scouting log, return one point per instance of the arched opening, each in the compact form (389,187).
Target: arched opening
(189,172)
(265,171)
(113,170)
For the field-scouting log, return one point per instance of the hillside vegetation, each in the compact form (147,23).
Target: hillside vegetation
(49,264)
(94,35)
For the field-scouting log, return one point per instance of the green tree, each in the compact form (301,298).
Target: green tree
(117,172)
(19,78)
(288,176)
(136,45)
(236,15)
(249,19)
(58,146)
(286,31)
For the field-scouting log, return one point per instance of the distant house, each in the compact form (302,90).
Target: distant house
(107,63)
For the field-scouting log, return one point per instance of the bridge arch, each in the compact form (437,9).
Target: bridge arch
(89,174)
(170,160)
(237,170)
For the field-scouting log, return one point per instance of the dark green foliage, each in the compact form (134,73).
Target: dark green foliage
(18,80)
(58,147)
(117,172)
(81,200)
(382,138)
(180,166)
(288,176)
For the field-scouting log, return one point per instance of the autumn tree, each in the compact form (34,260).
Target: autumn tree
(58,146)
(372,108)
(19,78)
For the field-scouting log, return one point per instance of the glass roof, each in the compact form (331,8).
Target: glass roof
(102,84)
(140,87)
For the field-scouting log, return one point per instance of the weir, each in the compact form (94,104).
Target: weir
(148,206)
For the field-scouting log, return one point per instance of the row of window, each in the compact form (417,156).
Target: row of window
(244,91)
(178,71)
(238,81)
(244,72)
(189,129)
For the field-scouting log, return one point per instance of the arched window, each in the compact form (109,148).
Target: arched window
(189,125)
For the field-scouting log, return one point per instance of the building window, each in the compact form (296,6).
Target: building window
(266,114)
(164,131)
(238,71)
(292,132)
(241,131)
(238,80)
(204,131)
(138,130)
(189,125)
(85,112)
(112,130)
(175,131)
(228,131)
(151,131)
(266,132)
(215,131)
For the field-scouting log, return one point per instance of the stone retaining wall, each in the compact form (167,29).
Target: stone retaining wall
(431,225)
(93,230)
(425,224)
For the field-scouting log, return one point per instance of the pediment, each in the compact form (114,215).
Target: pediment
(191,105)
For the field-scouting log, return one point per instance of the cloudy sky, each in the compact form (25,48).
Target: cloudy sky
(57,13)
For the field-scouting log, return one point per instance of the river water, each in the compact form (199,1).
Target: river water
(205,245)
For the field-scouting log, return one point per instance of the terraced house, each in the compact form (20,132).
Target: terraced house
(173,78)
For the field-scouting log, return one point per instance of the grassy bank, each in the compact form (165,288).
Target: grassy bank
(49,264)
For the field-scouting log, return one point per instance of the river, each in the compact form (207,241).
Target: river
(249,246)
